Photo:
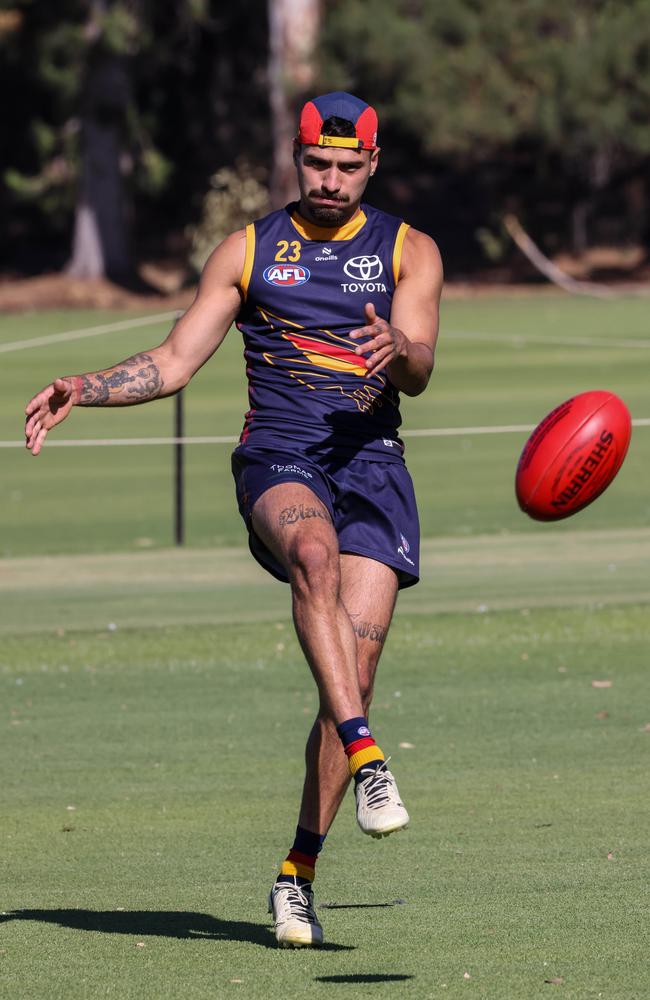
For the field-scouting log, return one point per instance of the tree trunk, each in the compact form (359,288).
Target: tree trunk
(101,245)
(579,216)
(293,34)
(598,171)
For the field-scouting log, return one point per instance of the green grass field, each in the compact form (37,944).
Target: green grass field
(139,840)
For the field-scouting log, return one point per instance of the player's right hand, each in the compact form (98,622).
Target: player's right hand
(47,409)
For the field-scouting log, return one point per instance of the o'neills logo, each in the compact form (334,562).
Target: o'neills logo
(586,470)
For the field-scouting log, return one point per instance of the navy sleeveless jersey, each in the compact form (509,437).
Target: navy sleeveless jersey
(305,288)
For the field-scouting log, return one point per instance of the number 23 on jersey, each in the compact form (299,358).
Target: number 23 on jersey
(288,251)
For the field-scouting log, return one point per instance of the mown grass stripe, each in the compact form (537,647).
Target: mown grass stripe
(89,331)
(232,439)
(563,341)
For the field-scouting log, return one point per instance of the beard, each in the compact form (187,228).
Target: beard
(328,214)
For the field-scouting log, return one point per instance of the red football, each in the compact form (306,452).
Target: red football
(573,455)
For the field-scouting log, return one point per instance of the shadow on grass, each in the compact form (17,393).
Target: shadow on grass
(370,977)
(158,923)
(360,906)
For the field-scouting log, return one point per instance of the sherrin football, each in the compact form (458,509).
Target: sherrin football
(572,455)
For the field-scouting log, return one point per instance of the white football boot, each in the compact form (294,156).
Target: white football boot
(380,810)
(296,923)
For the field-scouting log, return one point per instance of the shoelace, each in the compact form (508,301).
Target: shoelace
(379,787)
(299,903)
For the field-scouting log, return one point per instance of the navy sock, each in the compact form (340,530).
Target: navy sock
(352,730)
(300,864)
(361,750)
(307,842)
(294,880)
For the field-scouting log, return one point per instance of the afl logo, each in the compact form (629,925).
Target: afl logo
(286,274)
(364,268)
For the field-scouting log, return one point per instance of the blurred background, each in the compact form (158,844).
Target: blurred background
(137,133)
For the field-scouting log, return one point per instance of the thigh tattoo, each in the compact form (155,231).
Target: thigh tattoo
(300,512)
(367,630)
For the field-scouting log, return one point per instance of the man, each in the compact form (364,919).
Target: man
(338,305)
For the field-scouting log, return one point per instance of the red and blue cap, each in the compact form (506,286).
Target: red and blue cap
(339,105)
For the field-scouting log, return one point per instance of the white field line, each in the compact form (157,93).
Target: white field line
(525,338)
(89,331)
(425,432)
(127,324)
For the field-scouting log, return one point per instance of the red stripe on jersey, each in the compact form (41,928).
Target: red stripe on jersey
(329,350)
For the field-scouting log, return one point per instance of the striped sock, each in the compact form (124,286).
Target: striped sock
(359,746)
(300,863)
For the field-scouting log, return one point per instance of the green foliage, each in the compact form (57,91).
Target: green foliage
(494,244)
(60,61)
(155,169)
(180,105)
(200,9)
(536,106)
(50,54)
(121,31)
(44,137)
(236,196)
(474,76)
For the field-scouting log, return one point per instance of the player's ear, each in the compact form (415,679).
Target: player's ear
(296,151)
(374,160)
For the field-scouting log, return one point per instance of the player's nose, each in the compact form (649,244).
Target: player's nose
(331,181)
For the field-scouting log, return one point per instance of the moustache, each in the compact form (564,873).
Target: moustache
(330,197)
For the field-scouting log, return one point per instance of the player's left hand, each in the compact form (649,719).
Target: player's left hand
(386,344)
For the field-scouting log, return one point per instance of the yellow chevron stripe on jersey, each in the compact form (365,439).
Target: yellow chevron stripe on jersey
(397,249)
(248,260)
(268,316)
(323,234)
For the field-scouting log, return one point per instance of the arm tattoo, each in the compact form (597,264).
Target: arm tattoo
(367,630)
(300,512)
(135,380)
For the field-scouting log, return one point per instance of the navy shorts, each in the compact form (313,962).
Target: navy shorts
(372,505)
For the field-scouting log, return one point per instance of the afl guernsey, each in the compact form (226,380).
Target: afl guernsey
(305,288)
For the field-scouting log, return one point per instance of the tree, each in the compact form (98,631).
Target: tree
(293,33)
(533,97)
(124,109)
(131,106)
(101,244)
(74,66)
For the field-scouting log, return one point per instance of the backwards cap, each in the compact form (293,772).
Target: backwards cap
(339,105)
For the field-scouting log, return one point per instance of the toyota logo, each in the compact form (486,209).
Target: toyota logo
(364,268)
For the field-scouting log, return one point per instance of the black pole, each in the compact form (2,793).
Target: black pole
(179,477)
